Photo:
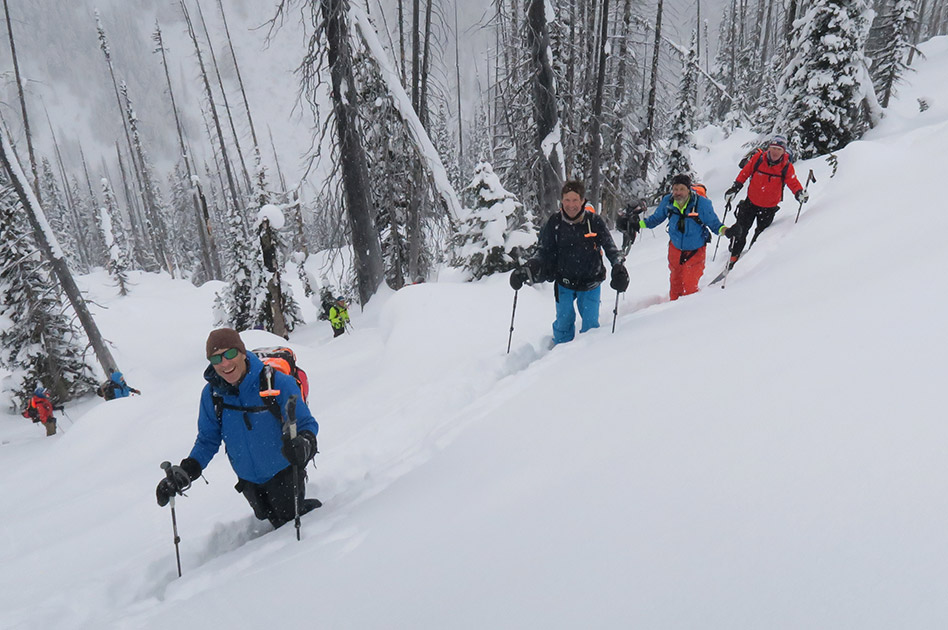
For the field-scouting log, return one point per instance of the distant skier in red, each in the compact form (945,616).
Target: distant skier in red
(769,170)
(40,409)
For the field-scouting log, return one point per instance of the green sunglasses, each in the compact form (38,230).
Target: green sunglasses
(226,354)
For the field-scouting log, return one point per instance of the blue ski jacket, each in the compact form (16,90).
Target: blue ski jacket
(687,228)
(121,389)
(252,435)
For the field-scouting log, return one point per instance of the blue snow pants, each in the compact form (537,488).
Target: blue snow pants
(564,328)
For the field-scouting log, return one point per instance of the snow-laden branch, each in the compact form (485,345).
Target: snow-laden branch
(420,140)
(35,208)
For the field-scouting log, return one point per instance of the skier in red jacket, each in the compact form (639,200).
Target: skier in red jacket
(769,171)
(40,409)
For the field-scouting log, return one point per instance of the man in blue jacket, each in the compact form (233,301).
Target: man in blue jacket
(233,411)
(691,220)
(570,251)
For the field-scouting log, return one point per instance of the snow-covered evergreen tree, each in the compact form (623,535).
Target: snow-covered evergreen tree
(85,224)
(892,34)
(38,344)
(115,237)
(57,213)
(234,303)
(825,89)
(497,231)
(678,161)
(184,228)
(274,307)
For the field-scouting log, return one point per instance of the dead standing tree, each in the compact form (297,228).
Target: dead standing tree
(48,245)
(549,156)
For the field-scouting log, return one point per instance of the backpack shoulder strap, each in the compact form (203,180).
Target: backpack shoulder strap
(270,402)
(760,158)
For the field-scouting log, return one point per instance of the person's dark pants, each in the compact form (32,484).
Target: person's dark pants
(747,213)
(338,331)
(273,499)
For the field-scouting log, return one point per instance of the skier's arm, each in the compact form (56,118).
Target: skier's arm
(606,241)
(791,181)
(659,216)
(209,435)
(708,216)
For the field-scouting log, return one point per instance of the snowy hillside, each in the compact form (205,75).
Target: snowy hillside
(771,455)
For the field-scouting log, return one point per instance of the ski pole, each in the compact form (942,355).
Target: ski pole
(809,178)
(615,313)
(512,315)
(727,208)
(291,429)
(166,466)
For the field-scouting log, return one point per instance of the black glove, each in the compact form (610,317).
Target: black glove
(620,278)
(300,449)
(525,274)
(33,414)
(732,232)
(733,190)
(191,467)
(174,483)
(802,196)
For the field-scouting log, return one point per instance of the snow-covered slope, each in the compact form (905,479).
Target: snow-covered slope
(766,456)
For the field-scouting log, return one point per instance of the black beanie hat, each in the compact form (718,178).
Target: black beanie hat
(222,339)
(682,179)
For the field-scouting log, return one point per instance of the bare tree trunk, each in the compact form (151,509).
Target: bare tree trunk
(548,166)
(140,235)
(22,95)
(220,82)
(355,173)
(276,160)
(209,257)
(457,71)
(148,262)
(240,81)
(415,52)
(765,45)
(425,57)
(235,197)
(649,131)
(595,148)
(401,41)
(46,241)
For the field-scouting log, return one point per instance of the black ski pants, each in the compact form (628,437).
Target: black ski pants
(747,213)
(273,499)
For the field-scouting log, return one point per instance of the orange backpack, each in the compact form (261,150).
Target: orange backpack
(283,359)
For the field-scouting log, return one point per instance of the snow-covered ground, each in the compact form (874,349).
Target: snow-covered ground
(767,456)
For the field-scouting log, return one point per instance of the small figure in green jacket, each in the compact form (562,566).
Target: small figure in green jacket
(336,311)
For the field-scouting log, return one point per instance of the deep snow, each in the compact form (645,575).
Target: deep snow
(766,456)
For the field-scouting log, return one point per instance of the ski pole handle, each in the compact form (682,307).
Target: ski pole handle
(291,416)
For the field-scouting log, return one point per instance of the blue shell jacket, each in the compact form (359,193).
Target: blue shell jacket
(252,439)
(693,236)
(121,388)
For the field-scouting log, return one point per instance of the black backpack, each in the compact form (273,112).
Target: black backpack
(106,390)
